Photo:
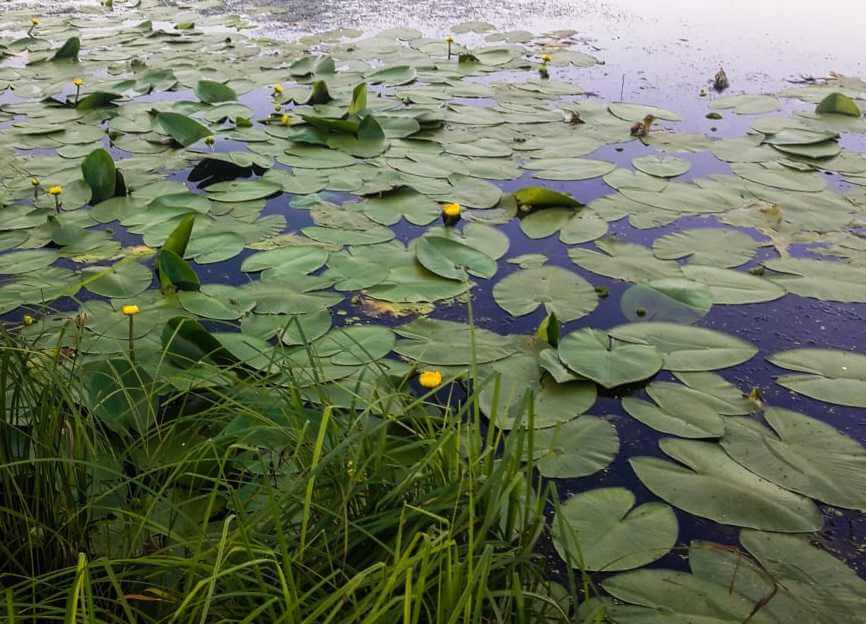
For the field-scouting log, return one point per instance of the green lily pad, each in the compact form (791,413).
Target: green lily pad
(801,454)
(603,530)
(733,287)
(747,104)
(576,448)
(838,104)
(559,290)
(452,259)
(708,483)
(688,348)
(678,410)
(597,356)
(724,248)
(820,279)
(661,167)
(184,130)
(447,343)
(123,280)
(673,299)
(211,92)
(828,375)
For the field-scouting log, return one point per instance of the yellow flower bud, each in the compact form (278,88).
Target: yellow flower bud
(278,89)
(285,119)
(451,210)
(78,82)
(209,140)
(55,190)
(430,379)
(449,39)
(130,310)
(34,21)
(34,181)
(546,58)
(27,320)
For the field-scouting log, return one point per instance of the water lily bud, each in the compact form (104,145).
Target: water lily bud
(430,379)
(130,310)
(451,213)
(34,181)
(449,39)
(209,140)
(27,320)
(278,89)
(285,119)
(546,58)
(34,21)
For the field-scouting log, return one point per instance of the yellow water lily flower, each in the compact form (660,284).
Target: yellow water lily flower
(278,89)
(451,210)
(55,190)
(78,82)
(27,320)
(546,58)
(130,310)
(34,21)
(430,379)
(449,39)
(285,119)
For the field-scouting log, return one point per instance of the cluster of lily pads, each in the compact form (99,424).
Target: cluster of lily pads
(364,169)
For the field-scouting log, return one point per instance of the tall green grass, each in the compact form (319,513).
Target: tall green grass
(244,502)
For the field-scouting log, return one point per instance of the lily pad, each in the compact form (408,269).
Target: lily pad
(801,454)
(678,410)
(597,356)
(661,167)
(708,483)
(452,259)
(576,448)
(603,530)
(828,375)
(688,348)
(673,299)
(559,290)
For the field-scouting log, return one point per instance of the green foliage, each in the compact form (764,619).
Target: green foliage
(241,500)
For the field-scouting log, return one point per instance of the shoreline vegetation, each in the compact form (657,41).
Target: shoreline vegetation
(228,396)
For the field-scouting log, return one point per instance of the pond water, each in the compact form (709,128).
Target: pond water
(656,55)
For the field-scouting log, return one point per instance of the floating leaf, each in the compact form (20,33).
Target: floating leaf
(123,280)
(673,299)
(688,348)
(211,92)
(801,454)
(608,362)
(723,248)
(733,287)
(661,167)
(832,376)
(602,530)
(576,448)
(710,484)
(678,411)
(452,259)
(559,290)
